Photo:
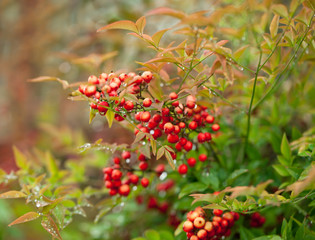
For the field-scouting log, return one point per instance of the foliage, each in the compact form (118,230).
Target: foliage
(251,64)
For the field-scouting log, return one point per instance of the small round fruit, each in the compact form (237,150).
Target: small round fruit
(173,95)
(145,116)
(147,102)
(168,127)
(217,212)
(191,162)
(128,105)
(182,169)
(199,222)
(202,157)
(193,125)
(147,76)
(145,182)
(201,137)
(209,119)
(102,107)
(172,138)
(215,127)
(143,166)
(90,90)
(126,155)
(124,190)
(188,226)
(202,234)
(116,174)
(208,226)
(188,146)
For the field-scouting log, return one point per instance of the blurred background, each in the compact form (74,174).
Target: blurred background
(53,38)
(58,38)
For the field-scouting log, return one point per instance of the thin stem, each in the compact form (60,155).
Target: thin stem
(251,102)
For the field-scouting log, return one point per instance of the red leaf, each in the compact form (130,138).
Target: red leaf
(30,216)
(51,227)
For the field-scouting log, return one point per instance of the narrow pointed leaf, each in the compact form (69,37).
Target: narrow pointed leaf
(285,147)
(20,158)
(160,153)
(64,83)
(156,37)
(12,194)
(124,24)
(168,12)
(51,227)
(170,159)
(274,26)
(30,216)
(140,24)
(110,117)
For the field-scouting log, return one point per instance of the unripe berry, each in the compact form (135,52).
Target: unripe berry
(168,127)
(128,105)
(202,234)
(173,95)
(208,226)
(124,190)
(228,216)
(194,237)
(93,80)
(193,125)
(147,76)
(188,226)
(143,166)
(147,102)
(199,222)
(103,77)
(126,155)
(191,162)
(145,182)
(202,157)
(192,216)
(215,127)
(145,116)
(90,90)
(182,169)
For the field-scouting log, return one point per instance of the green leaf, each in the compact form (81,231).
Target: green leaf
(165,235)
(192,188)
(300,233)
(50,226)
(30,216)
(140,135)
(281,170)
(285,147)
(124,24)
(51,164)
(20,159)
(235,175)
(179,229)
(280,9)
(239,52)
(12,194)
(110,117)
(152,235)
(269,237)
(139,238)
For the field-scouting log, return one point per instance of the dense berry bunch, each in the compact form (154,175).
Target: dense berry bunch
(200,226)
(257,220)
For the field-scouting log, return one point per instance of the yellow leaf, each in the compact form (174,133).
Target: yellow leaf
(110,117)
(274,26)
(140,24)
(12,194)
(156,37)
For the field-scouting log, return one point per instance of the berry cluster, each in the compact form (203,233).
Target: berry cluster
(257,220)
(116,181)
(199,226)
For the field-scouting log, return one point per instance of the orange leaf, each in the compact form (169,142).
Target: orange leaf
(168,12)
(123,24)
(12,194)
(30,216)
(140,24)
(64,83)
(156,37)
(51,227)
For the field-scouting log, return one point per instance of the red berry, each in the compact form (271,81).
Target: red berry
(93,80)
(147,102)
(188,146)
(190,104)
(108,184)
(215,127)
(172,138)
(116,160)
(145,182)
(128,105)
(90,90)
(193,125)
(126,155)
(202,157)
(159,168)
(134,179)
(208,226)
(157,118)
(124,190)
(217,212)
(168,127)
(157,133)
(107,170)
(191,162)
(141,157)
(208,136)
(116,174)
(147,76)
(102,107)
(183,141)
(178,146)
(188,226)
(113,192)
(209,119)
(182,125)
(202,234)
(173,95)
(182,169)
(176,129)
(143,166)
(145,116)
(199,222)
(165,111)
(201,137)
(175,104)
